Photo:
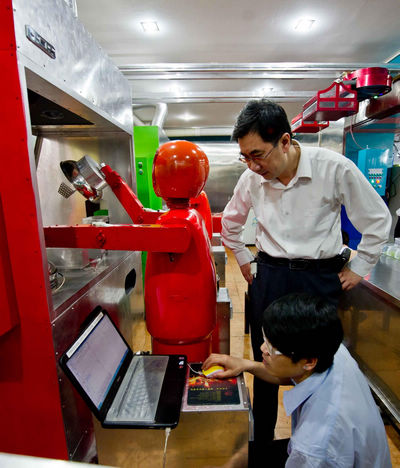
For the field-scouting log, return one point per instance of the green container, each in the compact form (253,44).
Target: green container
(146,142)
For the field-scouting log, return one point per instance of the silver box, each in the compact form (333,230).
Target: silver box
(216,239)
(203,437)
(220,259)
(221,334)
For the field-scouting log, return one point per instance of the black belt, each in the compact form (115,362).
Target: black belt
(334,264)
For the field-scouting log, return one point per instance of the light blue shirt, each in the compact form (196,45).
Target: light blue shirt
(335,421)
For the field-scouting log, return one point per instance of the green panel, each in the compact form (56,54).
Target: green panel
(146,143)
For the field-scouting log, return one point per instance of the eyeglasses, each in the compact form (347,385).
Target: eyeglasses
(246,160)
(271,350)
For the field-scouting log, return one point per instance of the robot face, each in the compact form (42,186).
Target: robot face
(180,170)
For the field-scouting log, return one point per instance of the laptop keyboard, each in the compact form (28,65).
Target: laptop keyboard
(138,396)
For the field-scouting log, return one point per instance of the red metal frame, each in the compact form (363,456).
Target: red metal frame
(30,410)
(150,238)
(332,103)
(299,125)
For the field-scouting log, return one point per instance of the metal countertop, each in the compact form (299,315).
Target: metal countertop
(385,279)
(78,281)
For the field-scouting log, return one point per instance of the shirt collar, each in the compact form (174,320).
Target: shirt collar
(293,398)
(303,169)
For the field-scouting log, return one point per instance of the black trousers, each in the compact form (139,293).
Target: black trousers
(397,228)
(270,283)
(268,455)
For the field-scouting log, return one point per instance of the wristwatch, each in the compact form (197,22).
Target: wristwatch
(345,255)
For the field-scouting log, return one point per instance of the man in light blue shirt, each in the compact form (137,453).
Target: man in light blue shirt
(335,421)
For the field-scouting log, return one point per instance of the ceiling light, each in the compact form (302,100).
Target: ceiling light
(304,24)
(150,26)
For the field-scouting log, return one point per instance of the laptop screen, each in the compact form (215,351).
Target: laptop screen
(94,365)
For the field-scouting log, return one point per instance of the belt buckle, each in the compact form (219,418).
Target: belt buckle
(300,264)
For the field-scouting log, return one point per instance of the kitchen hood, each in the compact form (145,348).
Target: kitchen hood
(45,112)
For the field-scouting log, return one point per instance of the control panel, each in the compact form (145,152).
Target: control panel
(376,176)
(373,164)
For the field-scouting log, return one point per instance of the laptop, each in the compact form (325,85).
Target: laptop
(123,389)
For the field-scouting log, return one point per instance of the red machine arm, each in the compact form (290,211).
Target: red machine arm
(128,198)
(125,194)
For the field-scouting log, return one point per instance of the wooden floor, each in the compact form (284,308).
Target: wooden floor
(241,347)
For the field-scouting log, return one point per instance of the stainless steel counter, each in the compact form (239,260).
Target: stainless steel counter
(207,435)
(79,281)
(371,320)
(385,279)
(115,283)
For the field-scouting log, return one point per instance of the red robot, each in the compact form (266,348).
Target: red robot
(202,205)
(180,288)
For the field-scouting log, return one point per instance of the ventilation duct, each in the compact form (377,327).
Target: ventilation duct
(160,113)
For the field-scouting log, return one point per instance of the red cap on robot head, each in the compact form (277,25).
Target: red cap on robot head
(180,170)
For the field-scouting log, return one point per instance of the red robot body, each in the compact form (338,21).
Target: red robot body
(202,205)
(180,289)
(180,293)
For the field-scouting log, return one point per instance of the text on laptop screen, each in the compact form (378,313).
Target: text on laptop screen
(94,365)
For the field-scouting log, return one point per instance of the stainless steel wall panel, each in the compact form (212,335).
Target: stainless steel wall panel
(111,148)
(80,64)
(107,290)
(225,170)
(330,138)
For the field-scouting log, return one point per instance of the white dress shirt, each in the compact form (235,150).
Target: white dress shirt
(335,421)
(302,219)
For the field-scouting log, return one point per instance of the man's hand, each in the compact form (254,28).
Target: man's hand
(246,272)
(349,279)
(233,366)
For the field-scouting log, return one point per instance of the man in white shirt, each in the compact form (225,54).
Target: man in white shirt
(335,421)
(296,193)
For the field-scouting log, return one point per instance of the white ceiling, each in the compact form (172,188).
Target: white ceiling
(211,56)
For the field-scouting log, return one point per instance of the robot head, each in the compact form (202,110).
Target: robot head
(180,170)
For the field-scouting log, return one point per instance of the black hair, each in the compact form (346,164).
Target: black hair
(303,326)
(264,117)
